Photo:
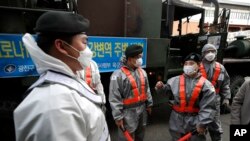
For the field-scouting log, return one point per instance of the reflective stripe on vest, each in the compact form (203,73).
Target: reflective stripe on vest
(88,75)
(215,77)
(183,107)
(137,97)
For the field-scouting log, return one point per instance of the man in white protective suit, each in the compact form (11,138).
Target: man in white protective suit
(60,106)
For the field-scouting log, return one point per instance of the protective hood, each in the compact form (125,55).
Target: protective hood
(206,47)
(43,61)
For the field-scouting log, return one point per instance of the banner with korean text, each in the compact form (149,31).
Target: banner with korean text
(15,60)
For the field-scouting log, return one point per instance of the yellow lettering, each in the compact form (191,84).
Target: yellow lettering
(92,48)
(118,49)
(15,51)
(108,48)
(6,48)
(99,48)
(124,46)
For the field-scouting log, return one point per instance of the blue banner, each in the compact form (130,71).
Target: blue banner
(108,51)
(15,60)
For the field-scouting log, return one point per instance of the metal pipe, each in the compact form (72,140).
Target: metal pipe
(27,9)
(216,11)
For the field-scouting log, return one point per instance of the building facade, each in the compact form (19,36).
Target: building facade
(239,21)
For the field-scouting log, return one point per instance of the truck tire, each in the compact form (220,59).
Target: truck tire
(235,83)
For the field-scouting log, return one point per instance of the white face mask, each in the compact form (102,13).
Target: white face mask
(85,56)
(138,62)
(210,56)
(189,70)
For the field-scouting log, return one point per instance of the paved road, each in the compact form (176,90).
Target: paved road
(157,130)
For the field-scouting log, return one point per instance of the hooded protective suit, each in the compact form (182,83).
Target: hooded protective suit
(223,81)
(134,116)
(60,106)
(221,85)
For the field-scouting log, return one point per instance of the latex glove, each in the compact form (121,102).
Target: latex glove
(225,102)
(159,85)
(119,123)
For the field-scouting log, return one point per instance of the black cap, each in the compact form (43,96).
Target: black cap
(61,22)
(133,50)
(194,57)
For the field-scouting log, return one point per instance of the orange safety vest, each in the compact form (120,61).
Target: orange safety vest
(215,76)
(137,97)
(183,107)
(88,76)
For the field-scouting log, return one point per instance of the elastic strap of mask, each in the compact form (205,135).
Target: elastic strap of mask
(72,48)
(72,57)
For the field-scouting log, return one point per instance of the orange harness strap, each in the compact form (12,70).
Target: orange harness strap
(88,75)
(195,94)
(137,97)
(183,107)
(203,71)
(215,77)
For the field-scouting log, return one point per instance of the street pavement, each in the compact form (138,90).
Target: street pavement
(157,129)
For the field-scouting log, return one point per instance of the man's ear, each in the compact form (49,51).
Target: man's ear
(60,46)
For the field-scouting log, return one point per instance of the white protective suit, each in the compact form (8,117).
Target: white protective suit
(60,106)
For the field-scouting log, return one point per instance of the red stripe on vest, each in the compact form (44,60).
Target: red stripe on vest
(203,71)
(88,75)
(137,97)
(215,77)
(183,107)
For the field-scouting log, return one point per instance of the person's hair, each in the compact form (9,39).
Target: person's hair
(46,41)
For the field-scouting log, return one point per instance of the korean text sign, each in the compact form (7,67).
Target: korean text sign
(15,60)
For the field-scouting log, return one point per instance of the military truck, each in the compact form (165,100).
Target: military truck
(237,60)
(158,21)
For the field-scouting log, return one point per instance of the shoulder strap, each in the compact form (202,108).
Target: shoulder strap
(88,75)
(142,80)
(196,93)
(203,71)
(132,81)
(217,71)
(182,93)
